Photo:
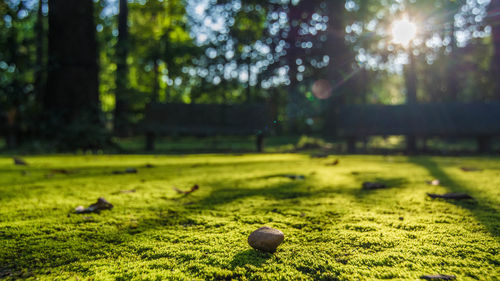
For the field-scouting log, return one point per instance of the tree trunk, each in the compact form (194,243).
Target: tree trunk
(72,100)
(340,61)
(248,89)
(156,85)
(122,106)
(451,80)
(293,107)
(411,79)
(494,11)
(39,71)
(411,96)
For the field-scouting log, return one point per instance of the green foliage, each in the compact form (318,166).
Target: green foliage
(83,132)
(306,143)
(17,57)
(167,63)
(333,229)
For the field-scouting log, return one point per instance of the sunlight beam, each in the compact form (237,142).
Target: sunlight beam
(403,31)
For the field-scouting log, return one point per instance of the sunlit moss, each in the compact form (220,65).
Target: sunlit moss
(333,229)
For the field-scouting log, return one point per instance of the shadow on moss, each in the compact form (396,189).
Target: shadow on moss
(488,216)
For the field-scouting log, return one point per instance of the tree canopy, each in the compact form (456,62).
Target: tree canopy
(300,56)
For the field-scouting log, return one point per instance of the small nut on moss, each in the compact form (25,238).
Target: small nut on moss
(266,239)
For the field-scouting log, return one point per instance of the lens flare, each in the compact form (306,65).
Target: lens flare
(322,89)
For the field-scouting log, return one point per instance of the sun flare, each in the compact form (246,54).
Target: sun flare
(403,31)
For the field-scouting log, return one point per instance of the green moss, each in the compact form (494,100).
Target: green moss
(333,229)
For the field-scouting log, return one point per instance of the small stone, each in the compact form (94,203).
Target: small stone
(434,182)
(266,239)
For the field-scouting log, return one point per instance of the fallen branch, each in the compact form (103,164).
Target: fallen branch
(450,196)
(438,277)
(62,171)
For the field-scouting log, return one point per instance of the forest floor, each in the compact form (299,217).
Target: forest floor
(334,230)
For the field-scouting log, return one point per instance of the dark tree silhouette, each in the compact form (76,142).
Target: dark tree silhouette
(71,102)
(495,24)
(341,59)
(39,65)
(121,93)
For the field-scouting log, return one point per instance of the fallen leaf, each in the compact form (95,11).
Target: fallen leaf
(193,189)
(452,196)
(373,185)
(101,204)
(319,155)
(294,177)
(62,171)
(470,169)
(334,163)
(19,161)
(126,171)
(290,176)
(124,191)
(438,277)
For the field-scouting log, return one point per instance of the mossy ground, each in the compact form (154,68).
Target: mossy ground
(333,229)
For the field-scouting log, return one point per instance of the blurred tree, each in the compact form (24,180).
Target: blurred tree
(122,99)
(444,28)
(494,21)
(71,101)
(341,59)
(17,66)
(160,47)
(40,54)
